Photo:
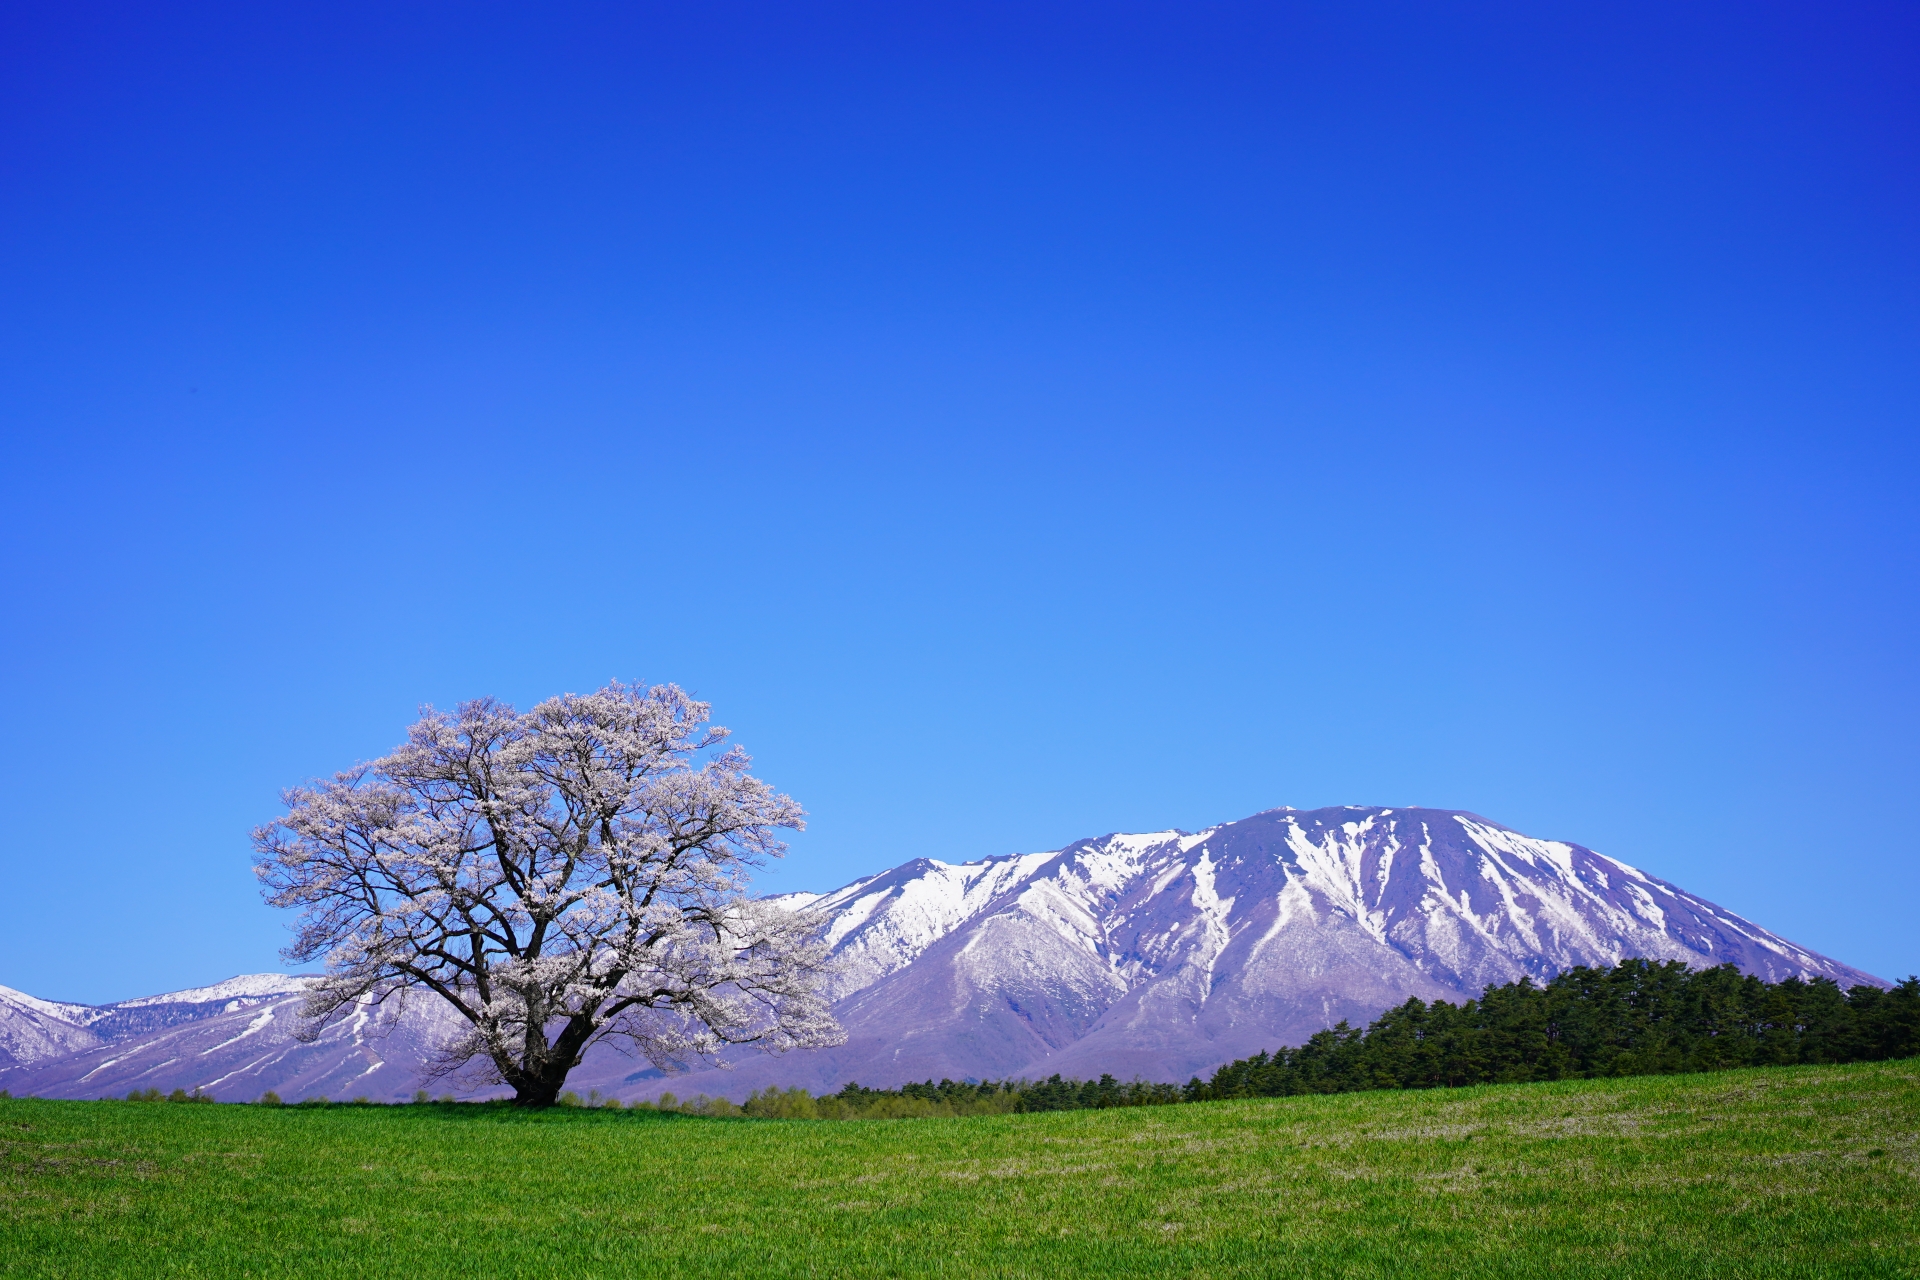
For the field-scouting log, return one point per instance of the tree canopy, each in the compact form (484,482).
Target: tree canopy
(562,876)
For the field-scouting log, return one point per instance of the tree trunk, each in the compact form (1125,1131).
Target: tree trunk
(541,1086)
(537,1091)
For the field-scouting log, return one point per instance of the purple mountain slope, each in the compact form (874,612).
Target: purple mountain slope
(1160,955)
(233,1040)
(35,1030)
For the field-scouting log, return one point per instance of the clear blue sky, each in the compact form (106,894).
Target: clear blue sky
(1021,421)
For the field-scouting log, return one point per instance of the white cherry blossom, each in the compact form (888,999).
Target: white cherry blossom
(572,874)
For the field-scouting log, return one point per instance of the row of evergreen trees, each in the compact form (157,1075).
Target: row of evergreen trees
(1055,1094)
(1640,1017)
(949,1098)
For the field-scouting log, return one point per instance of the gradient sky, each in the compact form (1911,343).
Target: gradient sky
(1021,421)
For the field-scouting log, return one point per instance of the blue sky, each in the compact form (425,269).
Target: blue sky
(1021,421)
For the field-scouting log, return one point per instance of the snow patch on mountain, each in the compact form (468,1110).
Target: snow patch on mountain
(248,986)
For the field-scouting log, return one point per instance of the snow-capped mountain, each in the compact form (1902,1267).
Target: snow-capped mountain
(34,1030)
(1160,955)
(1168,953)
(234,1039)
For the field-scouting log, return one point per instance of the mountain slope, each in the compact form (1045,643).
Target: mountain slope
(34,1030)
(234,1040)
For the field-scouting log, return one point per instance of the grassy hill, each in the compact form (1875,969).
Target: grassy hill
(1800,1171)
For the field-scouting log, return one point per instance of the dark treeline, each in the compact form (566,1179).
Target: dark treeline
(1639,1018)
(946,1098)
(1055,1094)
(1051,1094)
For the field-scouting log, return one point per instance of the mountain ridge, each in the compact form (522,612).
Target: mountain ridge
(1160,954)
(1165,953)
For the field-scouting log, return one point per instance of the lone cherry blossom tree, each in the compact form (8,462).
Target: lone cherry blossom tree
(569,875)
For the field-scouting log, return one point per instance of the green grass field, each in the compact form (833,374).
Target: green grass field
(1801,1171)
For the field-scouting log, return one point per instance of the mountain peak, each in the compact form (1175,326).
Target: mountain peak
(1167,952)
